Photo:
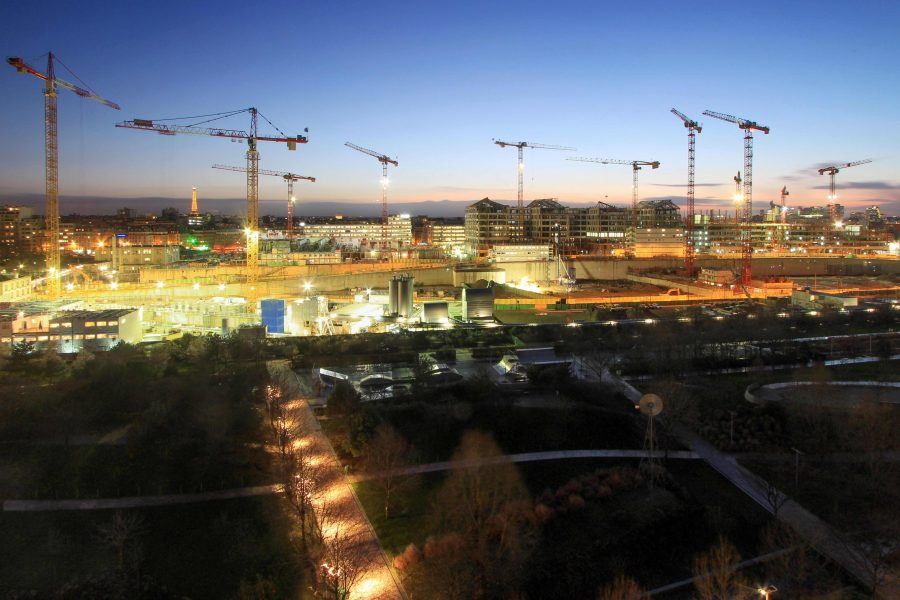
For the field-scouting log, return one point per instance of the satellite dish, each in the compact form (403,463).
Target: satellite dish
(650,404)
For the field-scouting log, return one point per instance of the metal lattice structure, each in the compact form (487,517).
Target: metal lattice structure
(165,127)
(636,166)
(746,211)
(693,128)
(834,170)
(51,159)
(385,160)
(520,146)
(289,178)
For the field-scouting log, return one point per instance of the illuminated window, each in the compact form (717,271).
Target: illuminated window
(89,323)
(54,325)
(101,323)
(67,324)
(101,336)
(79,336)
(90,336)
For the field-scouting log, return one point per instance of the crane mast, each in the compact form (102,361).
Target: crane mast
(51,160)
(834,170)
(635,167)
(252,137)
(520,203)
(746,206)
(385,160)
(693,128)
(289,178)
(784,194)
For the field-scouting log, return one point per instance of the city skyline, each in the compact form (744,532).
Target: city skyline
(574,75)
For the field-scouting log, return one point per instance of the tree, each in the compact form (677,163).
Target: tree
(621,588)
(345,559)
(715,572)
(121,534)
(343,400)
(775,498)
(386,455)
(488,506)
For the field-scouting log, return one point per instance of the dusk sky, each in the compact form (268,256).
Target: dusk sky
(432,83)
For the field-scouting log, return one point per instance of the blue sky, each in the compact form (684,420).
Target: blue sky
(433,82)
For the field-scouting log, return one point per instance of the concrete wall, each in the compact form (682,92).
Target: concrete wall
(607,268)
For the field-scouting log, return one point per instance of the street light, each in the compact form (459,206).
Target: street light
(766,592)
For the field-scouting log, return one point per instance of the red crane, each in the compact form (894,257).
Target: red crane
(748,127)
(51,157)
(693,128)
(385,160)
(166,127)
(520,146)
(289,178)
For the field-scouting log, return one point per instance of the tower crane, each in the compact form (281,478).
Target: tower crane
(51,156)
(747,206)
(693,128)
(167,127)
(520,146)
(289,178)
(784,194)
(385,160)
(636,166)
(834,170)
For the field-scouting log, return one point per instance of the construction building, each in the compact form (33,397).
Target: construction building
(659,241)
(597,229)
(13,288)
(361,233)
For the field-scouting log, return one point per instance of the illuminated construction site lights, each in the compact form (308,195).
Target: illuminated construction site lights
(160,285)
(70,287)
(221,286)
(114,285)
(196,286)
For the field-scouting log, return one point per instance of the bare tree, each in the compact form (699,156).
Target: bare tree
(489,508)
(775,498)
(715,572)
(387,454)
(621,588)
(345,559)
(121,533)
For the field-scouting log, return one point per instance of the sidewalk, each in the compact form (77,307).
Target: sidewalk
(379,581)
(811,528)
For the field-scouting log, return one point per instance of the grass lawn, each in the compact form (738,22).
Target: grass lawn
(198,550)
(709,506)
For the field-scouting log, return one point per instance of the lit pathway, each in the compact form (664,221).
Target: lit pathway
(378,582)
(816,532)
(522,458)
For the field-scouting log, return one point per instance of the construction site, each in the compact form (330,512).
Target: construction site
(523,263)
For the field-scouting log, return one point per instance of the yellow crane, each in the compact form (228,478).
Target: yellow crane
(51,156)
